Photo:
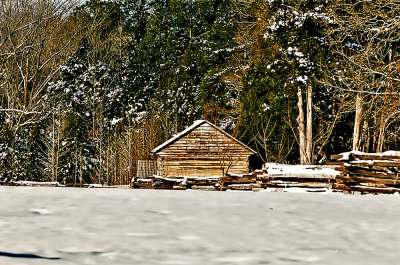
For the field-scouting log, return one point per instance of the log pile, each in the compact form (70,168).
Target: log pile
(237,182)
(201,183)
(275,177)
(240,182)
(310,178)
(228,182)
(177,183)
(142,183)
(374,173)
(279,177)
(167,183)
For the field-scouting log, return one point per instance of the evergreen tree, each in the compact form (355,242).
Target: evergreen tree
(86,94)
(291,53)
(184,59)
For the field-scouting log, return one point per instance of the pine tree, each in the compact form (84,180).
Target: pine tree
(290,55)
(87,95)
(183,60)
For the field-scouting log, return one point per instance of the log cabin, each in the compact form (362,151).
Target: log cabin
(202,150)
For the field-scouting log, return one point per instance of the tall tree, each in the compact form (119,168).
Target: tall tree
(86,94)
(183,60)
(293,49)
(35,37)
(366,41)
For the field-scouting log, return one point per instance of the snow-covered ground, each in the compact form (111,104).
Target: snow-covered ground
(121,226)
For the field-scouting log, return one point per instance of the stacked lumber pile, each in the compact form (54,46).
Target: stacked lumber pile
(310,178)
(240,182)
(156,182)
(201,183)
(282,177)
(368,172)
(142,183)
(167,183)
(230,181)
(275,177)
(177,183)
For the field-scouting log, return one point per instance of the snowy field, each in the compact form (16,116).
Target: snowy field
(120,226)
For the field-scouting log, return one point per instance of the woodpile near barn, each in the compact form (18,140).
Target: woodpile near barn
(240,182)
(374,173)
(311,178)
(273,177)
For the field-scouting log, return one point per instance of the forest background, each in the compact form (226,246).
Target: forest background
(88,88)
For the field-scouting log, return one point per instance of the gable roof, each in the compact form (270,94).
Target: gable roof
(190,129)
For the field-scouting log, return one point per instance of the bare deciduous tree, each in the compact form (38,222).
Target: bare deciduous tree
(366,40)
(35,37)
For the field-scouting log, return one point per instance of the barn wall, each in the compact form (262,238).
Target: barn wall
(203,152)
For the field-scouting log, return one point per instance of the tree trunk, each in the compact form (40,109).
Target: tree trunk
(381,137)
(309,136)
(358,123)
(301,128)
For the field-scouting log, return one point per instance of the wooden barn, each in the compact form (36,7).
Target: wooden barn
(202,150)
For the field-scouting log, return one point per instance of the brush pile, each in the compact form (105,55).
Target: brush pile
(374,173)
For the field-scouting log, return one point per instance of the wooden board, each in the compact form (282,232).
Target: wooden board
(362,179)
(370,173)
(371,163)
(375,190)
(299,176)
(248,187)
(298,185)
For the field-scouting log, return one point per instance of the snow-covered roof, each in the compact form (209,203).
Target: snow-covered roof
(191,128)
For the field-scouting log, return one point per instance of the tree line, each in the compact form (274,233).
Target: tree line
(88,88)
